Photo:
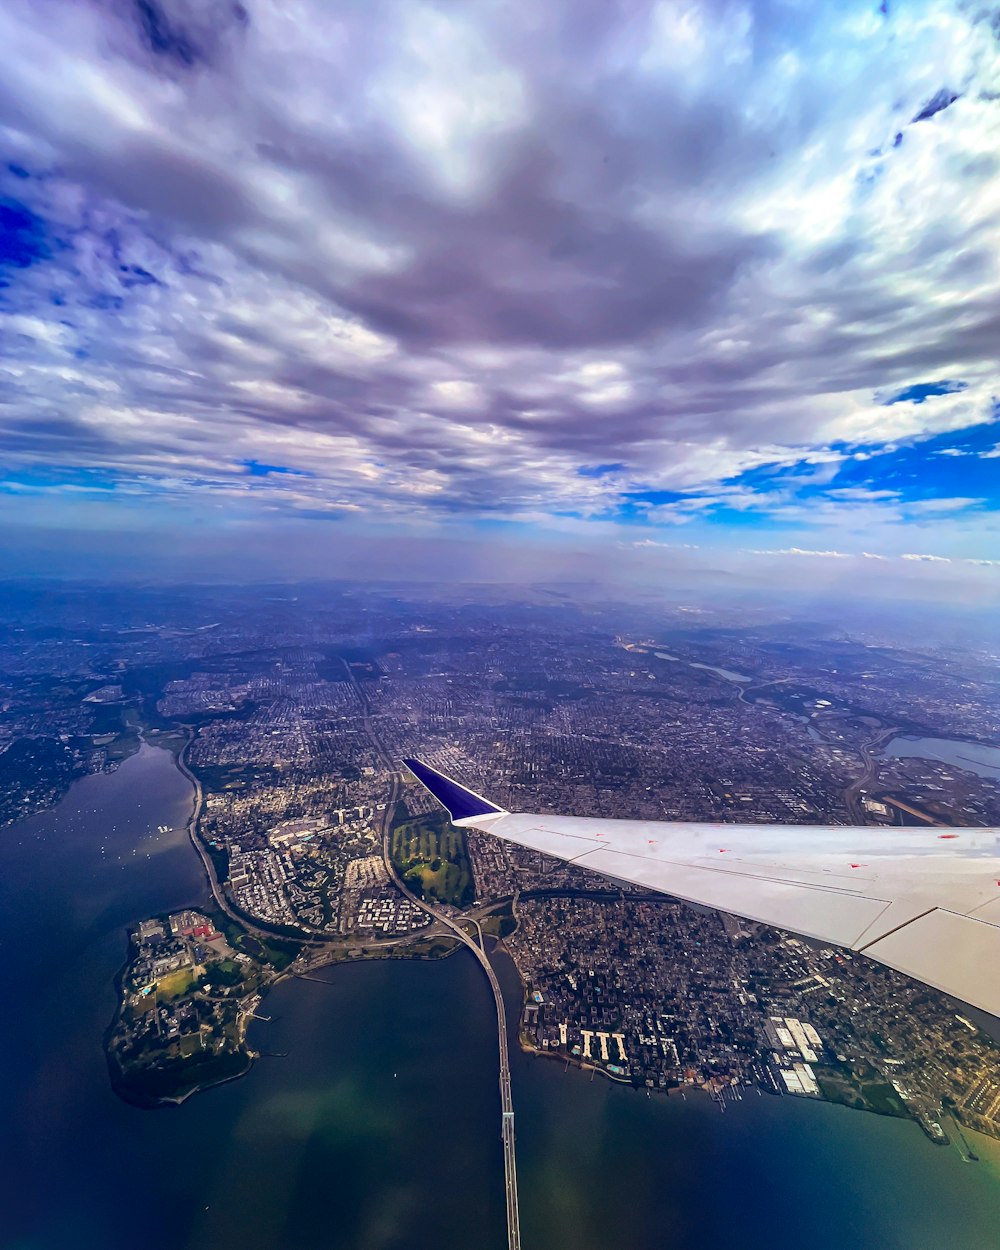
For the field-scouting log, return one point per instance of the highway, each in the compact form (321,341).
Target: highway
(506,1100)
(320,945)
(852,794)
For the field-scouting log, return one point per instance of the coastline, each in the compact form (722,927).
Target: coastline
(330,953)
(340,954)
(130,1090)
(574,1061)
(127,1090)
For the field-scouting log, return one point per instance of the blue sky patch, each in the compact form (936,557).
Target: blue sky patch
(164,37)
(920,391)
(937,104)
(256,468)
(47,478)
(23,236)
(105,302)
(948,466)
(135,275)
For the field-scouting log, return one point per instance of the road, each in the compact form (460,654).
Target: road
(506,1099)
(852,793)
(323,949)
(910,810)
(214,884)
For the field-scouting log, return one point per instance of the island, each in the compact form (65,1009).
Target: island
(186,994)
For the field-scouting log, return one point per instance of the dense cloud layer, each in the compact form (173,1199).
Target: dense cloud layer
(716,265)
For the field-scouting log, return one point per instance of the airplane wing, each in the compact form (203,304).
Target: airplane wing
(925,901)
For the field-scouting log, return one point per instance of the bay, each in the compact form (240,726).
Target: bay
(378,1126)
(974,757)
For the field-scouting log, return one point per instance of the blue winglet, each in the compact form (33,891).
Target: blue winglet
(461,803)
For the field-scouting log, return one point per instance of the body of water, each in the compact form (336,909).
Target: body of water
(726,673)
(378,1129)
(974,758)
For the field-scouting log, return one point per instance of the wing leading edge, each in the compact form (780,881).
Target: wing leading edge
(924,901)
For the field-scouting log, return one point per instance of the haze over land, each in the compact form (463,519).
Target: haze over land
(706,292)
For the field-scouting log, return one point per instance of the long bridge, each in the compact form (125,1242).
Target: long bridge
(506,1101)
(477,948)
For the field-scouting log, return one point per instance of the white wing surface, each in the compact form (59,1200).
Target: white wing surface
(925,901)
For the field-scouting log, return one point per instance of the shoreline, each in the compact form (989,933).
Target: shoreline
(142,1103)
(335,954)
(573,1061)
(342,956)
(117,1079)
(581,1065)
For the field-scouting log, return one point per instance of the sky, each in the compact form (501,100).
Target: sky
(495,290)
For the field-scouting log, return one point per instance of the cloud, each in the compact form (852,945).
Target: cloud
(651,542)
(862,494)
(937,506)
(846,555)
(798,551)
(465,262)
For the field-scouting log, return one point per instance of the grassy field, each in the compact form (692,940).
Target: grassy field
(499,924)
(143,1005)
(433,948)
(277,951)
(228,973)
(174,984)
(170,741)
(430,855)
(863,1089)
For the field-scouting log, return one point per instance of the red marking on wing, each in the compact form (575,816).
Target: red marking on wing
(945,837)
(723,850)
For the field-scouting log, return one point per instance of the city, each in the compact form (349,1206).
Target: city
(293,730)
(499,667)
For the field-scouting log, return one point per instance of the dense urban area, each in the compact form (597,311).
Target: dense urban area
(292,709)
